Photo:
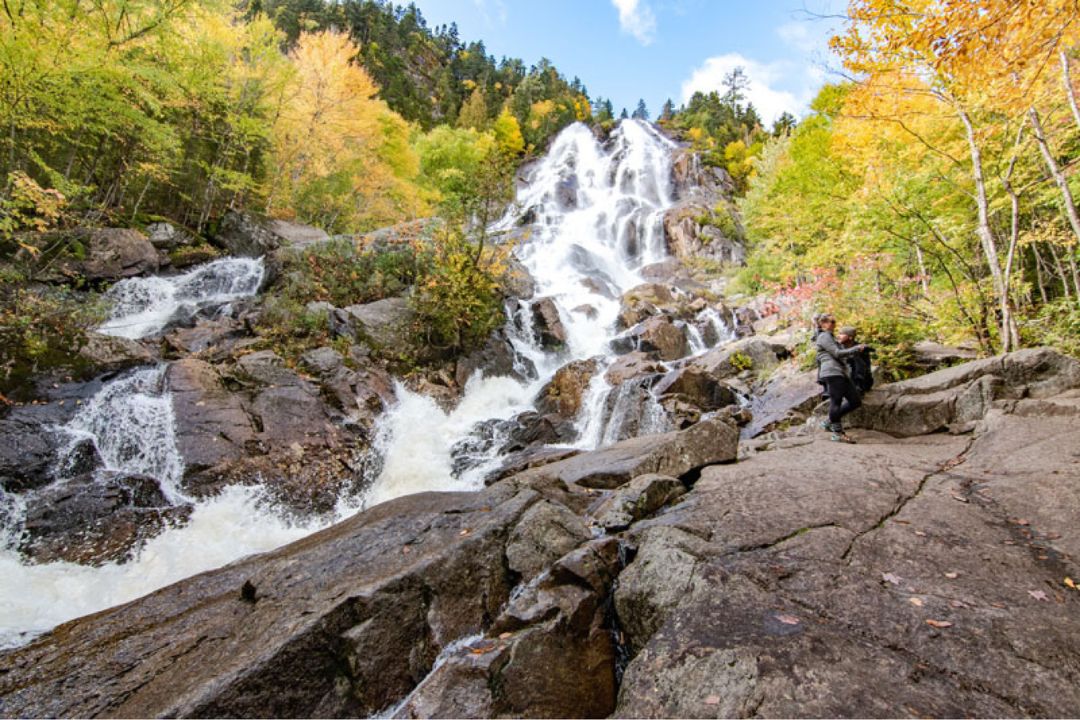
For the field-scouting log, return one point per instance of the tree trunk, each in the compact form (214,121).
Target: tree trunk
(924,274)
(1038,273)
(1061,271)
(985,232)
(1069,92)
(1055,171)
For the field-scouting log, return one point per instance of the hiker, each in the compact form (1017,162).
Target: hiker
(834,374)
(859,363)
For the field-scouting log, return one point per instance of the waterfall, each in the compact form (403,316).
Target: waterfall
(146,305)
(598,209)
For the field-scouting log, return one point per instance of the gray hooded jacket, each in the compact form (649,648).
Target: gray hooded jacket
(830,356)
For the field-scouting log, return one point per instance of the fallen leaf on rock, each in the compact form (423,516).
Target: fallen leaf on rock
(902,522)
(788,619)
(889,577)
(957,604)
(466,531)
(482,649)
(1038,595)
(939,623)
(952,575)
(1069,582)
(960,499)
(999,606)
(920,533)
(712,700)
(916,602)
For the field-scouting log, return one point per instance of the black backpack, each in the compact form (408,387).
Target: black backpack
(859,365)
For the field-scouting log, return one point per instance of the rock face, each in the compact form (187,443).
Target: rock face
(562,395)
(547,325)
(113,254)
(385,324)
(245,235)
(699,190)
(922,576)
(731,359)
(957,397)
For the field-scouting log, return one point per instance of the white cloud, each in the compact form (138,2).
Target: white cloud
(798,36)
(769,101)
(636,18)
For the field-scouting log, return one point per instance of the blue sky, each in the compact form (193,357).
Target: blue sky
(655,49)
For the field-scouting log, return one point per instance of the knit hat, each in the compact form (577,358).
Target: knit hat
(847,330)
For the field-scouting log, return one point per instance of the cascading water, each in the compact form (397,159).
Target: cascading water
(598,212)
(146,305)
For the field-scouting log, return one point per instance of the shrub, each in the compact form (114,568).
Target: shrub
(41,328)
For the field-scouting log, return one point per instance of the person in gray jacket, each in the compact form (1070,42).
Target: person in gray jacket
(833,374)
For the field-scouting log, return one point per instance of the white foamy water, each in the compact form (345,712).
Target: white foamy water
(234,524)
(145,305)
(130,423)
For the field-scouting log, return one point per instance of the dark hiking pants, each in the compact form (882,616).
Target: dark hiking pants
(843,398)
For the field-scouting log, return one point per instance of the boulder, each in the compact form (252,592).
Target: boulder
(788,398)
(106,353)
(632,366)
(697,387)
(659,336)
(296,235)
(639,498)
(678,454)
(27,451)
(547,325)
(647,300)
(688,238)
(549,654)
(245,235)
(930,356)
(564,393)
(546,532)
(212,424)
(496,358)
(209,339)
(385,324)
(166,236)
(322,361)
(729,360)
(959,396)
(113,254)
(517,281)
(94,519)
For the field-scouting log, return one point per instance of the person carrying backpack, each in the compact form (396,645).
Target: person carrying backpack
(834,374)
(858,364)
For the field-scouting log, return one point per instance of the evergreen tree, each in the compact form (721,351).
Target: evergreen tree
(667,112)
(783,125)
(624,115)
(641,112)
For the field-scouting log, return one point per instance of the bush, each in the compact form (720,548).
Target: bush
(41,328)
(1057,324)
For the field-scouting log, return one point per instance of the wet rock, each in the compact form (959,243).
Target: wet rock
(526,459)
(639,498)
(645,301)
(549,654)
(346,622)
(660,336)
(668,272)
(546,532)
(587,310)
(212,424)
(675,453)
(211,339)
(385,324)
(564,393)
(600,287)
(517,281)
(566,191)
(547,324)
(961,395)
(632,366)
(27,451)
(94,519)
(112,254)
(496,358)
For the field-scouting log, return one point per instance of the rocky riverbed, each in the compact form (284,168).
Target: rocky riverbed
(676,575)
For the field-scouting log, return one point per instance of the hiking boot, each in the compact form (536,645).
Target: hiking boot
(842,437)
(826,425)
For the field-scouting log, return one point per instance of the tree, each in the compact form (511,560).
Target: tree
(624,115)
(641,112)
(474,113)
(735,83)
(667,112)
(508,133)
(783,124)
